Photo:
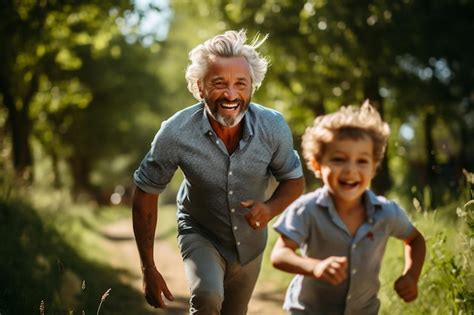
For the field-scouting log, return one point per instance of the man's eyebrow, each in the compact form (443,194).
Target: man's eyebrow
(242,79)
(217,78)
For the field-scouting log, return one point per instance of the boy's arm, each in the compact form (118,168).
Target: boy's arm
(415,250)
(332,269)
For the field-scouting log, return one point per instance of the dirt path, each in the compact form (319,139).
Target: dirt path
(120,245)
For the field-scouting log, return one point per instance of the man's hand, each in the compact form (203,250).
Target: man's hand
(259,215)
(406,287)
(154,285)
(332,270)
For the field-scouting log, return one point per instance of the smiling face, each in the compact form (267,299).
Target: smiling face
(226,89)
(346,167)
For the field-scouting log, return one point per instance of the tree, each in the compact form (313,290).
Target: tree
(32,34)
(82,81)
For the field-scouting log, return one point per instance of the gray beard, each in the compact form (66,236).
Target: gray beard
(227,122)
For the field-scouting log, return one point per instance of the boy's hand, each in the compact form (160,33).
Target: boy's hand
(332,270)
(406,287)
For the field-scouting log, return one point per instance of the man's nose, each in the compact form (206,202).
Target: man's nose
(231,93)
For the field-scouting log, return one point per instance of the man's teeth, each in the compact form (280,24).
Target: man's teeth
(230,105)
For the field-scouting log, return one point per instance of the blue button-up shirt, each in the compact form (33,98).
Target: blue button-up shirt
(215,182)
(313,222)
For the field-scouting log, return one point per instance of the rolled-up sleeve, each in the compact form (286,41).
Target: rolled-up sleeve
(286,163)
(159,165)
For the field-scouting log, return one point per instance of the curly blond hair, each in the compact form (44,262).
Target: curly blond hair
(349,122)
(229,44)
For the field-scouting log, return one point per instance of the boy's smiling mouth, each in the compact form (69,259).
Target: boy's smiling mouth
(348,184)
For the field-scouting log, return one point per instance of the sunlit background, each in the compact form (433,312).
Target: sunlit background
(84,87)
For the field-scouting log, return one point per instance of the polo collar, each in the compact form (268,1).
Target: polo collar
(371,204)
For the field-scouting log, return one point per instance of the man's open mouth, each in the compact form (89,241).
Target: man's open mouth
(230,106)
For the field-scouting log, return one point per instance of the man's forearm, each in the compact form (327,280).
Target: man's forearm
(286,192)
(145,214)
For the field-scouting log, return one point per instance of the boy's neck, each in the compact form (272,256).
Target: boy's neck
(352,213)
(347,207)
(343,206)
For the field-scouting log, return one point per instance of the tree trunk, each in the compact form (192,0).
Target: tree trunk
(430,154)
(19,124)
(82,186)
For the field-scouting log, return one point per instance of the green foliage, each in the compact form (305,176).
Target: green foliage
(446,285)
(69,74)
(53,259)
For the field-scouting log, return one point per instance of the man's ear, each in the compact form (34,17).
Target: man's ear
(316,168)
(201,89)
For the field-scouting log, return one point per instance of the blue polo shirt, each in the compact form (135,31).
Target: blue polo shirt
(313,222)
(215,182)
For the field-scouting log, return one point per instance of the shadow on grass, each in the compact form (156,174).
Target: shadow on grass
(38,265)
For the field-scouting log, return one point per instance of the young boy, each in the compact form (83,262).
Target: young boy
(342,228)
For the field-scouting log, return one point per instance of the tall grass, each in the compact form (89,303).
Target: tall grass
(446,285)
(49,251)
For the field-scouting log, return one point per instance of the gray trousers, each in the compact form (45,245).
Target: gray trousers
(216,286)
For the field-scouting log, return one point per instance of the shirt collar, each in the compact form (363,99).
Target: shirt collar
(370,200)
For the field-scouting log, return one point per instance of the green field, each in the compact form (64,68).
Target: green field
(48,243)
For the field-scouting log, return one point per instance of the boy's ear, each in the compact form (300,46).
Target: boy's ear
(316,168)
(374,170)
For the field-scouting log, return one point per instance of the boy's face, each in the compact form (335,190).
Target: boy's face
(347,167)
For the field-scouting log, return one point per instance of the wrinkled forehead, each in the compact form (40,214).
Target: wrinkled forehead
(228,66)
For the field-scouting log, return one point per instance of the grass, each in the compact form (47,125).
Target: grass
(55,264)
(51,261)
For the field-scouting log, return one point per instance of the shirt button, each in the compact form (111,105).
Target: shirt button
(238,243)
(354,271)
(354,246)
(235,227)
(230,173)
(232,210)
(348,296)
(231,192)
(217,141)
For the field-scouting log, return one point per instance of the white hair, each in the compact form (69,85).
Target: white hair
(229,44)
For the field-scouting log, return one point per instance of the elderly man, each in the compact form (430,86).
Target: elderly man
(228,148)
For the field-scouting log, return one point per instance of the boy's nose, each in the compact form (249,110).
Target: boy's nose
(349,168)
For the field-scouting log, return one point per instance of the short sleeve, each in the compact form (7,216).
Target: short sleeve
(159,165)
(285,163)
(399,224)
(294,223)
